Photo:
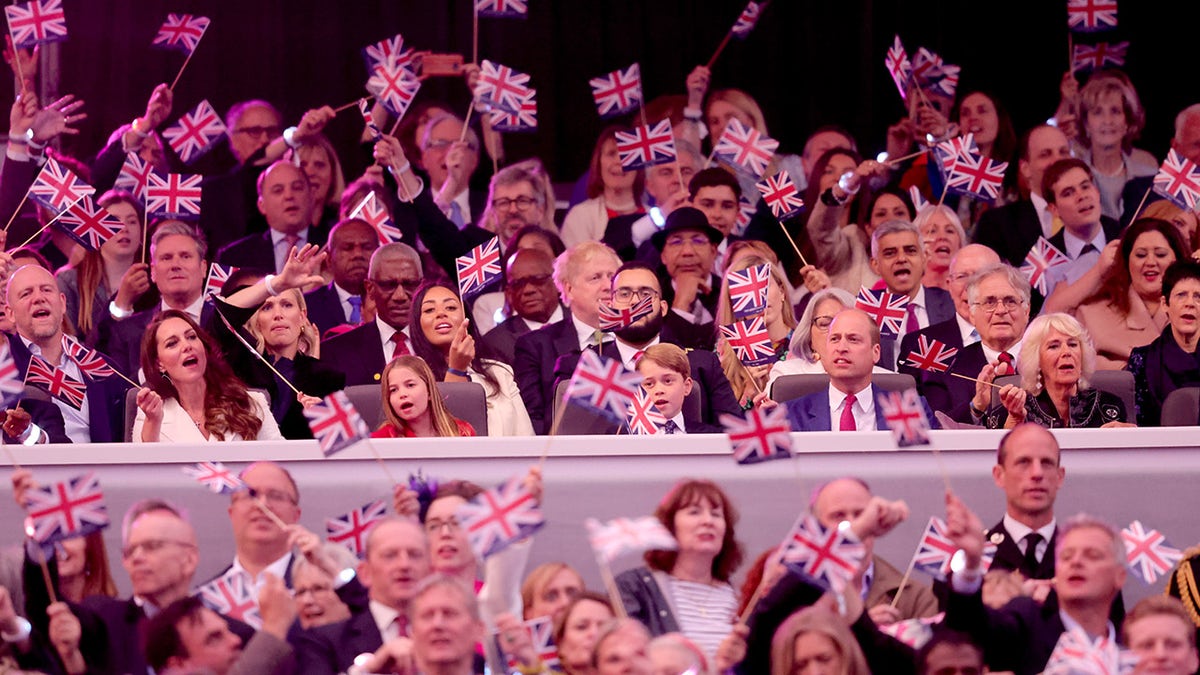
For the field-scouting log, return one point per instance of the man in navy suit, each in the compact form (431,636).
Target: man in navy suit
(1020,637)
(37,307)
(361,353)
(898,256)
(959,331)
(849,404)
(396,561)
(351,244)
(285,200)
(530,293)
(999,301)
(1072,196)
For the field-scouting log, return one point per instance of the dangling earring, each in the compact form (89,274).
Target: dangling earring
(164,375)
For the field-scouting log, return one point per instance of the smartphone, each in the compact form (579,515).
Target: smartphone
(442,65)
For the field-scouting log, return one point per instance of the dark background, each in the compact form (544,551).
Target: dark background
(808,62)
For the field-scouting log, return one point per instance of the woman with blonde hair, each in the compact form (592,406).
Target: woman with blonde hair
(815,641)
(747,381)
(1111,118)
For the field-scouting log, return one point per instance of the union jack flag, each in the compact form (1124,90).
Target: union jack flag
(57,187)
(748,290)
(36,21)
(618,92)
(509,9)
(935,551)
(646,146)
(60,385)
(750,341)
(541,634)
(620,536)
(372,210)
(364,107)
(930,72)
(644,418)
(523,119)
(781,195)
(977,176)
(216,477)
(134,175)
(12,385)
(217,276)
(500,517)
(1178,180)
(949,150)
(390,52)
(1040,259)
(479,268)
(181,32)
(746,21)
(887,309)
(350,529)
(914,632)
(905,416)
(1147,552)
(603,384)
(335,423)
(175,195)
(91,363)
(899,67)
(73,508)
(1099,55)
(745,148)
(828,555)
(746,211)
(233,596)
(88,224)
(1075,652)
(394,87)
(500,86)
(196,132)
(1089,16)
(918,199)
(932,355)
(760,435)
(612,318)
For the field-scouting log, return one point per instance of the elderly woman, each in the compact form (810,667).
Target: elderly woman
(317,603)
(815,641)
(778,318)
(688,590)
(1111,118)
(1171,361)
(1057,358)
(943,235)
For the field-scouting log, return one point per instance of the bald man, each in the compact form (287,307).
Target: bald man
(285,200)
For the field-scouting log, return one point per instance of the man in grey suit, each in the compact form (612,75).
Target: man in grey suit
(530,293)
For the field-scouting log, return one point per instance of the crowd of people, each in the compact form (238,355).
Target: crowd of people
(321,299)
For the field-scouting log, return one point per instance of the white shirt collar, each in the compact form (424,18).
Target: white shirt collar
(277,236)
(193,310)
(587,334)
(967,329)
(1074,244)
(865,410)
(1018,530)
(992,354)
(384,617)
(1070,624)
(678,420)
(278,568)
(554,318)
(1044,216)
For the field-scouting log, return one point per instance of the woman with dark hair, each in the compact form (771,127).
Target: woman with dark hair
(191,394)
(1171,361)
(843,246)
(112,272)
(887,203)
(612,191)
(688,590)
(443,336)
(1126,309)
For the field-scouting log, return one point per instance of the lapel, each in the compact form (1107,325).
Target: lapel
(814,411)
(881,422)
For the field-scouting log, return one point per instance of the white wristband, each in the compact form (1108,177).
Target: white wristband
(270,288)
(117,312)
(23,630)
(289,137)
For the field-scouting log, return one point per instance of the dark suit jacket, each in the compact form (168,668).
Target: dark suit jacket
(618,234)
(441,236)
(105,398)
(256,251)
(46,416)
(1009,556)
(945,332)
(503,338)
(938,305)
(331,649)
(1112,232)
(358,353)
(1019,637)
(952,395)
(121,340)
(325,308)
(1010,230)
(534,356)
(1135,189)
(811,412)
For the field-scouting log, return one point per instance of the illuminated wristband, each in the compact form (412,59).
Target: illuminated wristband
(32,143)
(133,126)
(117,312)
(846,181)
(23,631)
(289,137)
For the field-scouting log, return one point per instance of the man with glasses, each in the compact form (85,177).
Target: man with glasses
(361,353)
(285,200)
(998,297)
(687,246)
(450,163)
(530,293)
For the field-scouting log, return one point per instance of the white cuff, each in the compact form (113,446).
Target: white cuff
(23,630)
(34,435)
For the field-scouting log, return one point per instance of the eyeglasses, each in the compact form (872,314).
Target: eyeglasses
(536,280)
(631,294)
(389,286)
(269,496)
(444,144)
(434,525)
(270,132)
(696,240)
(992,304)
(150,546)
(522,203)
(316,590)
(822,322)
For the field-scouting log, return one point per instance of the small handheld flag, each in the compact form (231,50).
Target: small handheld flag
(217,276)
(372,210)
(57,187)
(350,529)
(216,477)
(620,536)
(645,146)
(760,435)
(232,595)
(748,289)
(393,86)
(498,518)
(335,423)
(905,417)
(56,380)
(617,92)
(745,148)
(750,341)
(88,224)
(521,120)
(1099,56)
(500,86)
(1148,553)
(174,195)
(781,195)
(196,132)
(1041,259)
(541,634)
(887,309)
(1178,179)
(508,9)
(932,355)
(644,418)
(73,508)
(1089,16)
(479,268)
(603,384)
(828,555)
(181,32)
(36,22)
(612,318)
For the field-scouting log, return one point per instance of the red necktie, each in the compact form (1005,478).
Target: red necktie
(911,324)
(400,348)
(1007,360)
(847,423)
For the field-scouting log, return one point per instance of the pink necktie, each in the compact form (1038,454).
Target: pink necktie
(400,348)
(911,325)
(847,423)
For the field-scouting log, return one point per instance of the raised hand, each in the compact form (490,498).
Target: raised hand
(462,348)
(56,119)
(697,86)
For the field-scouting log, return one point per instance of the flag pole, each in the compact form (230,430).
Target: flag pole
(382,464)
(1138,211)
(610,584)
(351,104)
(145,230)
(242,340)
(262,504)
(48,224)
(466,121)
(908,572)
(803,262)
(41,559)
(893,162)
(559,410)
(475,34)
(720,48)
(11,457)
(17,211)
(185,63)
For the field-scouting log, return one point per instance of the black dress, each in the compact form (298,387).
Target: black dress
(1158,369)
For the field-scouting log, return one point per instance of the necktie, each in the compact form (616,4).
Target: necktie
(911,324)
(1088,248)
(355,308)
(456,215)
(1030,564)
(1007,359)
(847,423)
(637,356)
(400,626)
(290,240)
(399,348)
(670,427)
